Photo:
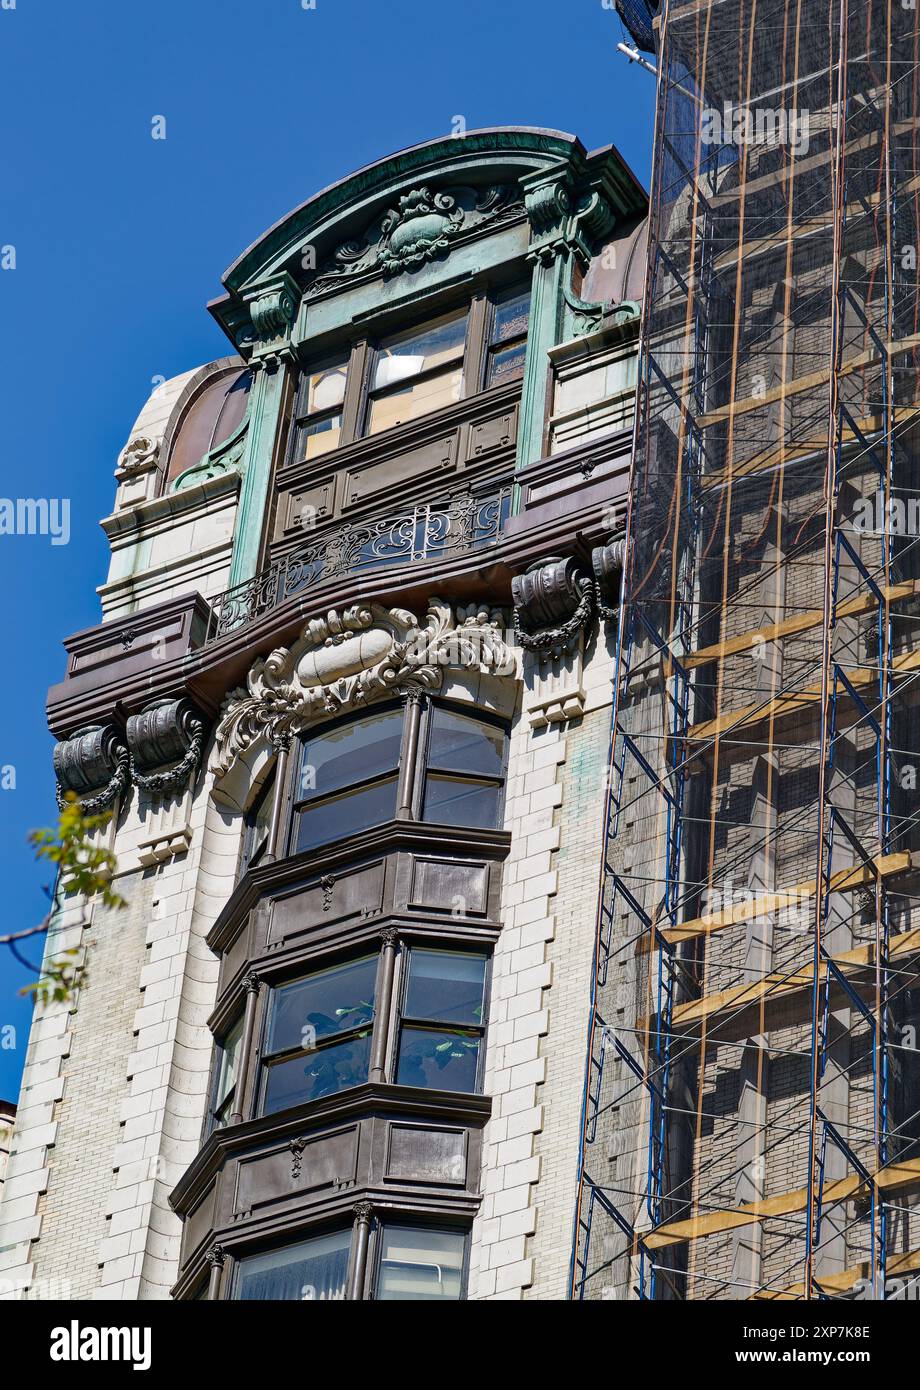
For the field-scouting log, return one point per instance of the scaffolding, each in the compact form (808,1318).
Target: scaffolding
(751,1117)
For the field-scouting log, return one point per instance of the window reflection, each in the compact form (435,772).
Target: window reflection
(314,1270)
(466,761)
(508,342)
(319,1034)
(347,779)
(417,1263)
(442,988)
(417,372)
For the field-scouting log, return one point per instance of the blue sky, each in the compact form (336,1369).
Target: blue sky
(120,240)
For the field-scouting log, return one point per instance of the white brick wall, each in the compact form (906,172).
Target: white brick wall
(540,995)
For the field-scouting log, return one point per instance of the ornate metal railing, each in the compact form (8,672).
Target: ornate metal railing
(418,536)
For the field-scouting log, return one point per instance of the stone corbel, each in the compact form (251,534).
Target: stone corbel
(167,735)
(553,606)
(553,603)
(93,760)
(165,743)
(273,306)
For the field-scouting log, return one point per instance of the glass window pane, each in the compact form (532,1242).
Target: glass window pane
(438,1059)
(320,437)
(511,316)
(420,1264)
(311,1270)
(445,986)
(408,402)
(311,1075)
(325,388)
(345,815)
(212,418)
(228,1068)
(507,364)
(460,744)
(407,354)
(307,1011)
(350,754)
(450,801)
(258,823)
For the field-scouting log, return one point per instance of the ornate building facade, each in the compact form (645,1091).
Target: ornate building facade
(348,704)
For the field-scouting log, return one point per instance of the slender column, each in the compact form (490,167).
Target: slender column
(215,1257)
(565,223)
(413,701)
(281,742)
(362,1236)
(261,438)
(251,984)
(390,939)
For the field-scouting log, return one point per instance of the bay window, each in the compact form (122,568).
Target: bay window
(349,775)
(420,1263)
(311,1271)
(413,1263)
(226,1076)
(258,823)
(465,769)
(318,412)
(388,381)
(508,337)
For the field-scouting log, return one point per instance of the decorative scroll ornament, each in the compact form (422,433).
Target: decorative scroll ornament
(273,306)
(166,732)
(553,602)
(93,757)
(138,455)
(353,657)
(419,230)
(421,226)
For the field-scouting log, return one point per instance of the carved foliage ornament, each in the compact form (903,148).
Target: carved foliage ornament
(139,454)
(419,229)
(353,657)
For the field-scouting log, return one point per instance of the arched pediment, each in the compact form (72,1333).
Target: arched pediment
(397,214)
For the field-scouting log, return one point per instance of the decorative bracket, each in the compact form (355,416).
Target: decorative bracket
(553,602)
(608,562)
(167,731)
(273,306)
(93,757)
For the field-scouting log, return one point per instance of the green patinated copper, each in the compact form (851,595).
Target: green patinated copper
(392,234)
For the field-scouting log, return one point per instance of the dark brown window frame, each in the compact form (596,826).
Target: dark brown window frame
(386,1024)
(412,769)
(406,1218)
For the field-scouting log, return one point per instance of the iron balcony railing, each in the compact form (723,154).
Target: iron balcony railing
(418,536)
